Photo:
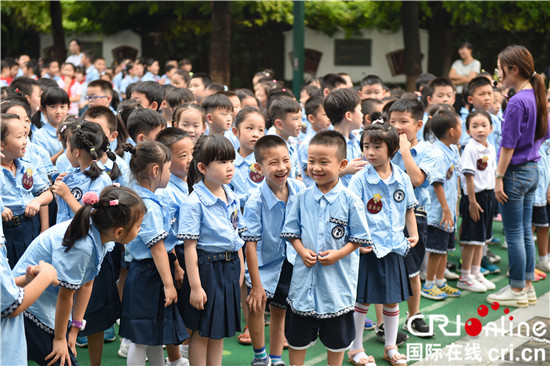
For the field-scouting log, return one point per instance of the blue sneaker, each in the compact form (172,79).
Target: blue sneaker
(491,268)
(369,324)
(109,335)
(82,342)
(433,293)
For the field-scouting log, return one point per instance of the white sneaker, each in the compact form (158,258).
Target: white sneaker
(531,295)
(485,282)
(184,351)
(181,362)
(471,284)
(543,266)
(507,297)
(451,275)
(123,349)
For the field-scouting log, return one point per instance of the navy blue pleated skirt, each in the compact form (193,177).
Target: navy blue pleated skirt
(104,306)
(144,319)
(221,317)
(382,280)
(19,233)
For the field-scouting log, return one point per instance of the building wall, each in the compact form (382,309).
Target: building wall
(382,43)
(100,44)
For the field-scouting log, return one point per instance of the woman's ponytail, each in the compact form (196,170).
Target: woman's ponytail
(542,109)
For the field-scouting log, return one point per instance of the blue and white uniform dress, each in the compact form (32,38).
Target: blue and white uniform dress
(246,178)
(215,225)
(325,222)
(144,319)
(75,267)
(17,192)
(46,137)
(541,208)
(79,184)
(38,153)
(13,345)
(383,277)
(264,217)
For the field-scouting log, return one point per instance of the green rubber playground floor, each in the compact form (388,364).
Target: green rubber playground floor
(465,306)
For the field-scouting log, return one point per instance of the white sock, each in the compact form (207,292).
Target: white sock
(464,273)
(136,354)
(476,270)
(429,283)
(391,323)
(176,362)
(155,355)
(484,250)
(440,282)
(359,317)
(543,258)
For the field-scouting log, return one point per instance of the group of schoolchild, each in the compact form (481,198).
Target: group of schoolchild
(317,209)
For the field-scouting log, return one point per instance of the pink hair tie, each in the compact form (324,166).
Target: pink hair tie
(113,203)
(90,198)
(116,185)
(63,129)
(274,81)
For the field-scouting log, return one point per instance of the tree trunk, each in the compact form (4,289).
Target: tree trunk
(411,39)
(59,50)
(220,43)
(441,44)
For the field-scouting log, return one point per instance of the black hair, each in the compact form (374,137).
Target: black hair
(152,90)
(413,106)
(104,215)
(102,111)
(167,88)
(245,112)
(169,67)
(65,128)
(77,43)
(332,81)
(90,138)
(205,78)
(143,120)
(144,154)
(208,148)
(216,101)
(90,55)
(129,90)
(475,83)
(4,118)
(171,135)
(312,91)
(184,61)
(423,80)
(427,91)
(441,122)
(105,86)
(216,87)
(466,44)
(50,96)
(46,83)
(331,138)
(313,103)
(48,62)
(11,102)
(311,81)
(440,107)
(24,85)
(178,96)
(150,61)
(441,81)
(340,101)
(475,114)
(368,108)
(276,93)
(185,106)
(378,133)
(33,65)
(184,74)
(265,143)
(280,107)
(371,80)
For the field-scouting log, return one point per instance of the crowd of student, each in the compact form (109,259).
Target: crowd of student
(171,203)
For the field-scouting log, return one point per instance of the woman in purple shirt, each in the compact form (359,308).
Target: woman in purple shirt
(523,130)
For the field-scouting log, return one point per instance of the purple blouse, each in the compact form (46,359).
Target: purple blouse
(518,128)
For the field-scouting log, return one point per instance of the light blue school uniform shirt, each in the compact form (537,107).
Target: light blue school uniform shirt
(212,222)
(234,139)
(91,74)
(117,79)
(385,206)
(127,81)
(420,133)
(264,217)
(445,173)
(302,157)
(47,138)
(154,227)
(353,151)
(246,177)
(425,159)
(38,153)
(79,184)
(173,197)
(149,76)
(543,166)
(13,344)
(325,222)
(74,267)
(27,184)
(62,163)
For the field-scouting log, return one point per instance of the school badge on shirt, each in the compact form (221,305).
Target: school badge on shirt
(254,175)
(481,163)
(374,205)
(77,193)
(399,195)
(27,180)
(235,219)
(450,171)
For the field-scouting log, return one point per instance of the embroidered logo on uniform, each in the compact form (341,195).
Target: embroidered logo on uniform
(338,232)
(450,172)
(482,163)
(374,205)
(77,193)
(254,175)
(398,195)
(27,179)
(235,219)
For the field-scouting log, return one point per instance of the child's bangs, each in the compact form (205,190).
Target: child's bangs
(219,148)
(373,136)
(54,96)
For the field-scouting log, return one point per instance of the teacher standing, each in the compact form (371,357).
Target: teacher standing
(463,70)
